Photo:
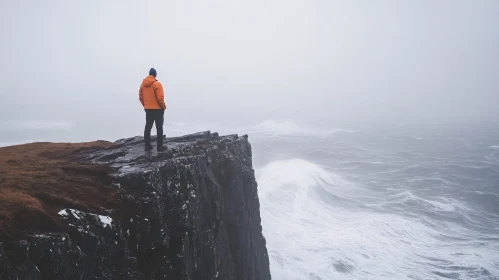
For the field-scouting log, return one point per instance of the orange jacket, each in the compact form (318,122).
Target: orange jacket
(151,94)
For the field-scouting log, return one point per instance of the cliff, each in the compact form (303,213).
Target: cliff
(111,211)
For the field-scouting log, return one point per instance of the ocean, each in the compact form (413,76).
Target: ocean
(379,202)
(362,201)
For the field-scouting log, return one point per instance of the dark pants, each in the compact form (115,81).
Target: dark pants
(154,116)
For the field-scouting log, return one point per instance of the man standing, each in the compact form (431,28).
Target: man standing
(152,97)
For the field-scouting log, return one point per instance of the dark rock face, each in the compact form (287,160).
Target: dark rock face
(189,213)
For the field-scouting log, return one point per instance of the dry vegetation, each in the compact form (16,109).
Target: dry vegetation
(37,180)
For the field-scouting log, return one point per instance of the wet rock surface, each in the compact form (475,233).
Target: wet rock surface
(191,212)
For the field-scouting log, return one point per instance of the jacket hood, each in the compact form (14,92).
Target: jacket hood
(148,81)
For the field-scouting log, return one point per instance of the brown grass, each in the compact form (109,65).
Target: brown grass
(37,180)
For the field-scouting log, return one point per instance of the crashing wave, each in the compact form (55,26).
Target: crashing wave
(321,226)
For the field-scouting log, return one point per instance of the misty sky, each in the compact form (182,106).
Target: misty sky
(83,61)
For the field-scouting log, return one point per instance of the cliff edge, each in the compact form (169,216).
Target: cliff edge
(111,211)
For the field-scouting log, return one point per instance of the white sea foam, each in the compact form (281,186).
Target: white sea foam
(278,127)
(288,127)
(310,236)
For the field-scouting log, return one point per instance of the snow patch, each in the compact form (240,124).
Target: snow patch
(63,212)
(75,214)
(105,220)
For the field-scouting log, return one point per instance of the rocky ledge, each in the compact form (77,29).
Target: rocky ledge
(191,212)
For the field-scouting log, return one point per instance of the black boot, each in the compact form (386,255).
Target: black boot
(147,141)
(160,146)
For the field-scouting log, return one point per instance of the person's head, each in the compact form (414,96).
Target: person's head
(152,72)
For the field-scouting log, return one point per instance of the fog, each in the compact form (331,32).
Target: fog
(249,61)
